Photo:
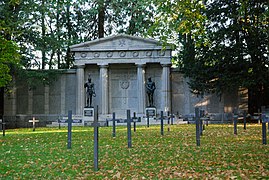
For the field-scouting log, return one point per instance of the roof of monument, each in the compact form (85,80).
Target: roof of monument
(118,42)
(121,48)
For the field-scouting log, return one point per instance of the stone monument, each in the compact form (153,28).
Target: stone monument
(150,88)
(118,66)
(88,114)
(90,91)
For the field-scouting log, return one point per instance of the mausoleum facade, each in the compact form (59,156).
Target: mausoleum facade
(119,67)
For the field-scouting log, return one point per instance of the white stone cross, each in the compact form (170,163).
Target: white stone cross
(33,121)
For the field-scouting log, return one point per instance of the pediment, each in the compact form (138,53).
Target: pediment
(117,42)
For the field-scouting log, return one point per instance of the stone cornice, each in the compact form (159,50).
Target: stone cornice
(122,54)
(121,49)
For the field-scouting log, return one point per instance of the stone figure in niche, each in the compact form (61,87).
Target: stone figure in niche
(150,88)
(90,91)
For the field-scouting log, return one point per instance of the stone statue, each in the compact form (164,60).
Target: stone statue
(90,91)
(150,88)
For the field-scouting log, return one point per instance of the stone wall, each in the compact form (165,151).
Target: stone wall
(43,102)
(47,103)
(184,102)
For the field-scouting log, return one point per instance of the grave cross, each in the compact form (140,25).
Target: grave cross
(135,119)
(3,126)
(265,119)
(129,129)
(197,121)
(245,120)
(69,133)
(162,123)
(235,119)
(168,121)
(114,124)
(95,126)
(114,120)
(172,119)
(164,118)
(33,121)
(147,119)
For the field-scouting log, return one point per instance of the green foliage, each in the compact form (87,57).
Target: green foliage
(222,45)
(179,18)
(9,58)
(44,29)
(43,154)
(36,78)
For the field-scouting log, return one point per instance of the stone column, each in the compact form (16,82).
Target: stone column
(46,100)
(104,88)
(141,103)
(30,101)
(10,108)
(63,83)
(166,90)
(80,89)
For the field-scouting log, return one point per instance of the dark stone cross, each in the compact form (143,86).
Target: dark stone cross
(114,120)
(164,118)
(168,121)
(114,125)
(265,119)
(204,120)
(33,121)
(147,119)
(235,119)
(3,126)
(197,121)
(135,119)
(162,123)
(129,134)
(172,116)
(96,124)
(201,125)
(245,120)
(69,129)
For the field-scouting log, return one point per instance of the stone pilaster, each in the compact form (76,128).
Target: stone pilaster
(104,89)
(141,102)
(166,89)
(46,100)
(63,82)
(10,101)
(80,89)
(30,101)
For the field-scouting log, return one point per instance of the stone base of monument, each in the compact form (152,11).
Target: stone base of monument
(62,121)
(151,112)
(88,115)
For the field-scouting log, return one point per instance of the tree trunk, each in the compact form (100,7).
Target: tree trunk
(58,36)
(69,31)
(43,33)
(101,18)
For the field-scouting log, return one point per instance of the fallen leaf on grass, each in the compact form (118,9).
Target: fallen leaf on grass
(117,176)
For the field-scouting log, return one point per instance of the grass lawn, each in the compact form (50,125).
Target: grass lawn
(43,154)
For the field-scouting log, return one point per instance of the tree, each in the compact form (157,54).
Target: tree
(44,30)
(9,58)
(223,45)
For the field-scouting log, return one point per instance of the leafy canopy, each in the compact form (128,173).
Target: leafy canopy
(221,44)
(9,57)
